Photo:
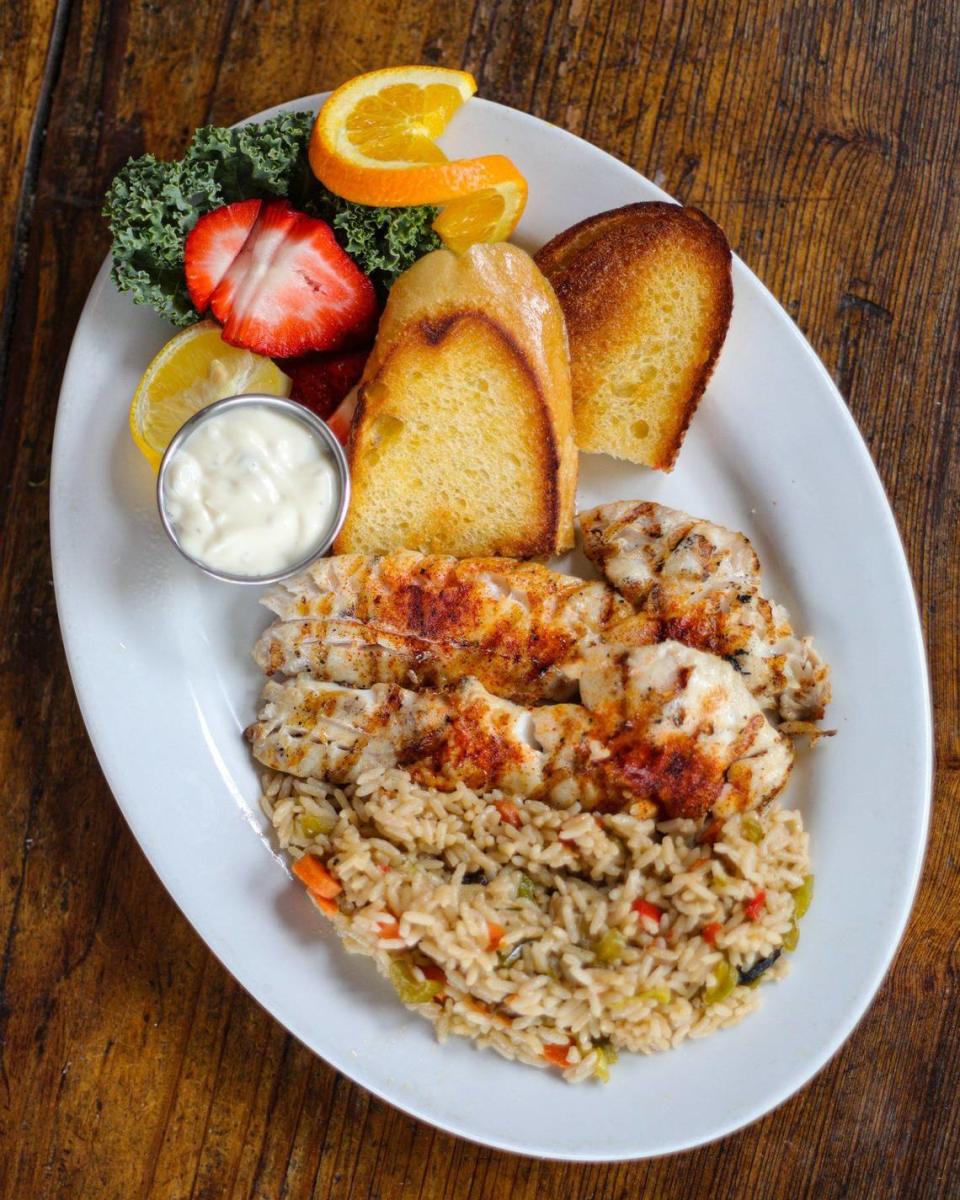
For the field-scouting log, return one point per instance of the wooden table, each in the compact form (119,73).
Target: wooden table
(827,143)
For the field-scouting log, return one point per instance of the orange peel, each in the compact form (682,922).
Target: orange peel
(489,215)
(374,140)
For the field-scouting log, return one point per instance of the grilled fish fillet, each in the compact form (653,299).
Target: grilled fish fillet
(429,620)
(667,729)
(700,584)
(463,735)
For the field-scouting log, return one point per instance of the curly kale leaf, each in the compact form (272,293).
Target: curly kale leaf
(258,161)
(152,206)
(383,241)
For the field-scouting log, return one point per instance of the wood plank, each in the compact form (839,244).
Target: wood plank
(825,140)
(31,36)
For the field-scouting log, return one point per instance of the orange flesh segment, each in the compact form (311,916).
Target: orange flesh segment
(374,140)
(402,122)
(490,215)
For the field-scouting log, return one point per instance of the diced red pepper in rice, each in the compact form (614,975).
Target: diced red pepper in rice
(496,933)
(557,1055)
(648,911)
(389,929)
(754,907)
(711,932)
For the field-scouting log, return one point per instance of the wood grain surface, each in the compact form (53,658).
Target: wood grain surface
(825,138)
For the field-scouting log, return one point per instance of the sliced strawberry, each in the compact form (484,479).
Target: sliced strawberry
(340,420)
(320,381)
(213,244)
(291,289)
(249,269)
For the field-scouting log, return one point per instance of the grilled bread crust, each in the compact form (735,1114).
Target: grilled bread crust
(462,440)
(647,296)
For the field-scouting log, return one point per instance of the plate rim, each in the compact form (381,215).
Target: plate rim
(801,1075)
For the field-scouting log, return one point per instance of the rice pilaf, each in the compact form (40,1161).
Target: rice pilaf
(554,935)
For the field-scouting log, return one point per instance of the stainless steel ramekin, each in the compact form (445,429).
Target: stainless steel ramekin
(291,409)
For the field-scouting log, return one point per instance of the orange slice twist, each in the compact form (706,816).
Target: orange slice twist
(374,142)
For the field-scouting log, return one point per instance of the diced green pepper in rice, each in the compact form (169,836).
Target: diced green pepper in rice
(313,825)
(526,890)
(724,981)
(752,830)
(409,987)
(792,936)
(606,1057)
(609,949)
(657,995)
(802,897)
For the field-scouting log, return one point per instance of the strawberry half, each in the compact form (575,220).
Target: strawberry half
(340,421)
(320,381)
(292,289)
(213,244)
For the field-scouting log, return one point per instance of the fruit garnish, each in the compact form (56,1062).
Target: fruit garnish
(152,206)
(213,244)
(395,115)
(288,290)
(374,139)
(320,381)
(490,215)
(194,369)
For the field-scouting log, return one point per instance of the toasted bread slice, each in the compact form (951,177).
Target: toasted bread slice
(647,296)
(462,440)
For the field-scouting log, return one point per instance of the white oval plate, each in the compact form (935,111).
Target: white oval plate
(160,659)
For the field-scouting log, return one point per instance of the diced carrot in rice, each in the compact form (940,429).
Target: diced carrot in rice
(326,906)
(311,872)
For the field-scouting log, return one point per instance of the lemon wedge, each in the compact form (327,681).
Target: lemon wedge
(194,369)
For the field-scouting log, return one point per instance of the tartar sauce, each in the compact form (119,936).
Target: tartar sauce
(251,491)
